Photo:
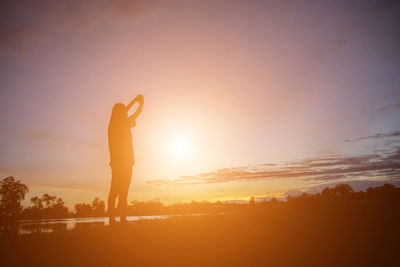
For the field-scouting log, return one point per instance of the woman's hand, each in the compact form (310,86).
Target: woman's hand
(140,100)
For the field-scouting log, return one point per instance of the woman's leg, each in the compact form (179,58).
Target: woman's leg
(123,196)
(112,196)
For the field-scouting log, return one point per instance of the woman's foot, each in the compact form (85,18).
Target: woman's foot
(124,220)
(112,221)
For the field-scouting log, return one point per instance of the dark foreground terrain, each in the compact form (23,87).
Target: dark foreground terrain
(337,227)
(319,234)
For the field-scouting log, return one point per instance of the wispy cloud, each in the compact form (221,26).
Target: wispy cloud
(384,165)
(375,136)
(394,106)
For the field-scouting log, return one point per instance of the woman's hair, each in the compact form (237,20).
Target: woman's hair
(119,113)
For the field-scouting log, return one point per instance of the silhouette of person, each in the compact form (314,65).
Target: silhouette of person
(121,155)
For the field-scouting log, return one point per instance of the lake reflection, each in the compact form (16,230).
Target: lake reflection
(55,225)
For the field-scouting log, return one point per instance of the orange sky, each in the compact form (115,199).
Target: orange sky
(234,84)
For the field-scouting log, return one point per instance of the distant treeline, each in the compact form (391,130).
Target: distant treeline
(12,192)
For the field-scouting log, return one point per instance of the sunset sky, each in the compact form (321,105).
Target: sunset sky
(241,98)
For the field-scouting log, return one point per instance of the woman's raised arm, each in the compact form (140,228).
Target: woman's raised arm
(139,99)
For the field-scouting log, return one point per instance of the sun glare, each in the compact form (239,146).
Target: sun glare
(180,147)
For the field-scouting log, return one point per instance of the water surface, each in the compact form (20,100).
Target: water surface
(51,225)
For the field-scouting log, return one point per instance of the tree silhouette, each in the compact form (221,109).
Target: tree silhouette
(48,200)
(12,191)
(37,203)
(339,192)
(98,207)
(47,206)
(83,210)
(273,200)
(59,209)
(252,201)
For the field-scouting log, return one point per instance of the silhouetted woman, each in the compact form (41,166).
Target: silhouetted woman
(121,155)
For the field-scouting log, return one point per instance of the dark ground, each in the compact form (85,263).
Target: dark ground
(274,235)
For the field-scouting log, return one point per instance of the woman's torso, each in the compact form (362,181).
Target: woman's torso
(120,144)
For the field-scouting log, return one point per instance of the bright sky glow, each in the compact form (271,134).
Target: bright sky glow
(180,147)
(226,84)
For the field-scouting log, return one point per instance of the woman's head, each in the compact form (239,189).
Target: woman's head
(119,112)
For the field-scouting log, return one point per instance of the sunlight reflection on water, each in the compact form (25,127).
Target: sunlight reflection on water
(52,225)
(58,225)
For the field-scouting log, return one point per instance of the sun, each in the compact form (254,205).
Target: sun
(180,147)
